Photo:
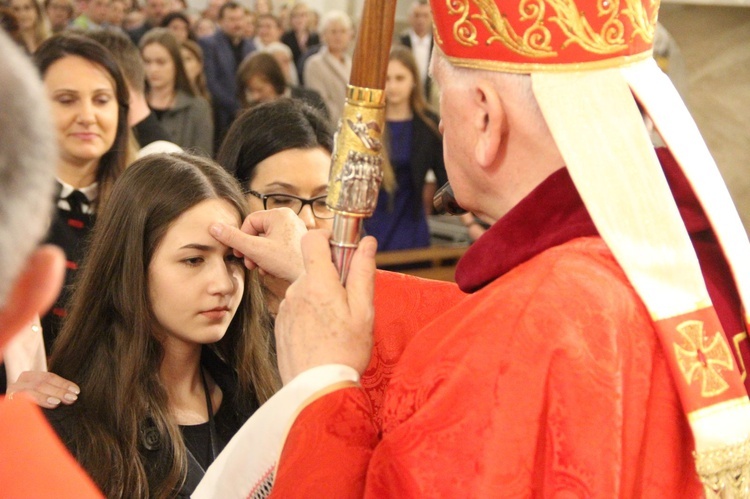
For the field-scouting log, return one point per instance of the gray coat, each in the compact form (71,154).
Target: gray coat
(190,123)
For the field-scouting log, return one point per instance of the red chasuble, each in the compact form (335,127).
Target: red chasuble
(548,378)
(33,461)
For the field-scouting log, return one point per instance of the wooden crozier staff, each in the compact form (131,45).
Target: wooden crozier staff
(356,163)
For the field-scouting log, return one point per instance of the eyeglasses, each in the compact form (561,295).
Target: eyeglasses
(295,203)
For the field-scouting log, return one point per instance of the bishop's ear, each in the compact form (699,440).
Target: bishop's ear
(34,291)
(489,124)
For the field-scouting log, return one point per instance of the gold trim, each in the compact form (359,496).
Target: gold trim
(365,97)
(713,410)
(725,472)
(536,39)
(736,339)
(701,358)
(549,67)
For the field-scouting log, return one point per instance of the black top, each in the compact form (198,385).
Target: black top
(235,409)
(70,232)
(150,130)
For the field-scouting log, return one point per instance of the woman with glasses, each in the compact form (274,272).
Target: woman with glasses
(280,152)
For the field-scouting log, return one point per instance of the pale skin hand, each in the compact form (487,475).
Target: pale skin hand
(268,240)
(321,322)
(46,389)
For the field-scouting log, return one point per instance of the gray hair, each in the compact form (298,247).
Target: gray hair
(333,16)
(28,157)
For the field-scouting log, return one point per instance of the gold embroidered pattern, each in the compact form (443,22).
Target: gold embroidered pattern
(737,339)
(643,25)
(578,30)
(699,361)
(463,31)
(536,40)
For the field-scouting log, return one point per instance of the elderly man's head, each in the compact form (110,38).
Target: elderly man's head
(30,277)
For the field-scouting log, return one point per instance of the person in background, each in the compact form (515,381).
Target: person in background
(263,7)
(222,54)
(283,55)
(148,132)
(167,333)
(212,10)
(59,13)
(93,17)
(34,463)
(192,59)
(261,79)
(419,39)
(179,24)
(299,38)
(9,25)
(268,30)
(32,23)
(249,24)
(89,99)
(327,72)
(184,115)
(414,147)
(154,11)
(280,152)
(117,11)
(203,27)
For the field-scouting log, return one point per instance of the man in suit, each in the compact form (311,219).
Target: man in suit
(222,54)
(419,39)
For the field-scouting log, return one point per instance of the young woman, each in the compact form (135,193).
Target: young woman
(192,59)
(32,22)
(280,152)
(89,101)
(184,115)
(415,147)
(166,334)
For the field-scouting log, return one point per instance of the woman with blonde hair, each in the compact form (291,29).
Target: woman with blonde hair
(32,22)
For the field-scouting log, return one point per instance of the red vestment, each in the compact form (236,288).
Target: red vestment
(33,461)
(548,378)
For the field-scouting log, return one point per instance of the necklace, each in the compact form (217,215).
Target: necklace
(212,439)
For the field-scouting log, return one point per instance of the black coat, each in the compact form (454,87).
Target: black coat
(229,418)
(426,153)
(406,42)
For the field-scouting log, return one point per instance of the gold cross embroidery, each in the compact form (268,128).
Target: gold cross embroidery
(702,360)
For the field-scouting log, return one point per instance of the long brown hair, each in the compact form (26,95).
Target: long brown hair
(109,344)
(199,85)
(417,101)
(114,161)
(165,38)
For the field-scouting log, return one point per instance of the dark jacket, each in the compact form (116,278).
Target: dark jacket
(229,418)
(426,153)
(290,40)
(406,42)
(220,67)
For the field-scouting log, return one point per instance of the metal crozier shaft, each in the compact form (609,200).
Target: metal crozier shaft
(357,161)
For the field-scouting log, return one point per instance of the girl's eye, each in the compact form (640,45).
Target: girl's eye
(193,262)
(102,100)
(65,100)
